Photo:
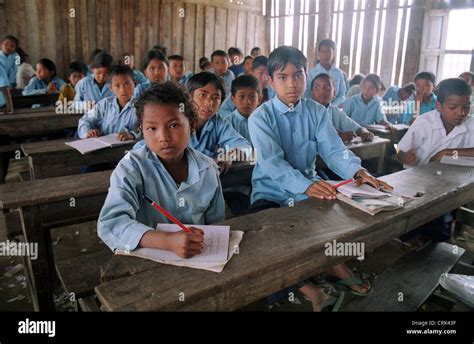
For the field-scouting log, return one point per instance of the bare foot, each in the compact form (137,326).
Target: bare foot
(316,295)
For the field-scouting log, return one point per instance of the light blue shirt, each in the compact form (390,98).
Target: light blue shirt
(140,88)
(339,82)
(139,77)
(126,216)
(363,113)
(341,121)
(240,124)
(227,80)
(88,90)
(11,66)
(392,93)
(3,83)
(287,144)
(430,106)
(107,117)
(228,106)
(37,86)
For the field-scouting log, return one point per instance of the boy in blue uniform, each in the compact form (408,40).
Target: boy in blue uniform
(6,105)
(220,67)
(9,58)
(288,133)
(155,67)
(113,114)
(45,81)
(178,70)
(425,83)
(327,56)
(95,87)
(182,180)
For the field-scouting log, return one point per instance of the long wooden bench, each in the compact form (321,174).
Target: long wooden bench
(282,247)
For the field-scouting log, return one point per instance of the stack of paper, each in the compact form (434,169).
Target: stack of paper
(219,246)
(351,190)
(467,161)
(90,145)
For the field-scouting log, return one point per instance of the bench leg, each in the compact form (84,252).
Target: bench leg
(41,269)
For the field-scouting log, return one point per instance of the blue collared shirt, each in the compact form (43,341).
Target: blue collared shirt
(107,117)
(339,81)
(392,93)
(10,64)
(363,113)
(228,106)
(3,83)
(430,106)
(240,124)
(126,216)
(37,86)
(227,80)
(140,88)
(88,90)
(287,142)
(139,77)
(341,121)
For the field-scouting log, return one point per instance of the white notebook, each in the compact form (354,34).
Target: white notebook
(376,127)
(467,161)
(85,146)
(364,191)
(220,243)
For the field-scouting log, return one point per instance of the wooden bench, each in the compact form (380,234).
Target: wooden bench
(407,284)
(282,247)
(54,158)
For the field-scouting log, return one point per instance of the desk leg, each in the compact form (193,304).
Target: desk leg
(41,270)
(381,163)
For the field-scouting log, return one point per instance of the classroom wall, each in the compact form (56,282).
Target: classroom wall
(65,30)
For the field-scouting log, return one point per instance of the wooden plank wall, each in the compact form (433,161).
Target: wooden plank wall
(65,30)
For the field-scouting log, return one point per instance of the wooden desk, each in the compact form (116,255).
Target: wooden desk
(54,158)
(366,150)
(20,101)
(282,247)
(386,134)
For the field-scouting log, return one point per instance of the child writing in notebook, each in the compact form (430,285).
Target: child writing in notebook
(96,86)
(155,67)
(322,91)
(114,114)
(288,133)
(365,108)
(179,178)
(45,81)
(447,130)
(326,64)
(77,71)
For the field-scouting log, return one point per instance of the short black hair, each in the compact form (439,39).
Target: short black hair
(94,53)
(323,76)
(234,51)
(248,57)
(219,53)
(327,43)
(13,39)
(48,64)
(176,58)
(152,55)
(283,55)
(164,50)
(200,80)
(259,61)
(452,87)
(102,60)
(121,70)
(254,49)
(408,88)
(204,62)
(356,79)
(375,80)
(244,81)
(165,93)
(77,67)
(426,76)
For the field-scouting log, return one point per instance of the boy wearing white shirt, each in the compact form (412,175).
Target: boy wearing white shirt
(448,130)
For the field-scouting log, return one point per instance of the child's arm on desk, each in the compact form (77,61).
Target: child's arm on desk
(453,152)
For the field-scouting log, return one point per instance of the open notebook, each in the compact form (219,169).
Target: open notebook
(369,199)
(467,161)
(220,243)
(85,146)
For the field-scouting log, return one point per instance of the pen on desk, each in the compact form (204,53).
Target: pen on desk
(345,182)
(168,215)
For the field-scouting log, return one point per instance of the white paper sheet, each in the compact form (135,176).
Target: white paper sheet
(467,161)
(365,191)
(85,146)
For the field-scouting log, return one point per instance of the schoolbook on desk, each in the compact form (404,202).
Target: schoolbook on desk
(369,199)
(85,146)
(219,247)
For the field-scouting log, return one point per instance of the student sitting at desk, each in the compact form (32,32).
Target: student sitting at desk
(220,67)
(425,83)
(96,86)
(168,171)
(447,130)
(77,71)
(9,58)
(113,114)
(288,133)
(178,70)
(45,81)
(322,91)
(155,67)
(365,108)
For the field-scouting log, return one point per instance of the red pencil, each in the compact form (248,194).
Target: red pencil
(168,215)
(345,182)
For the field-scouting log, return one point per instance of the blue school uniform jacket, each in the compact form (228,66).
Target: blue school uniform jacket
(239,123)
(10,63)
(339,82)
(363,113)
(88,90)
(37,86)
